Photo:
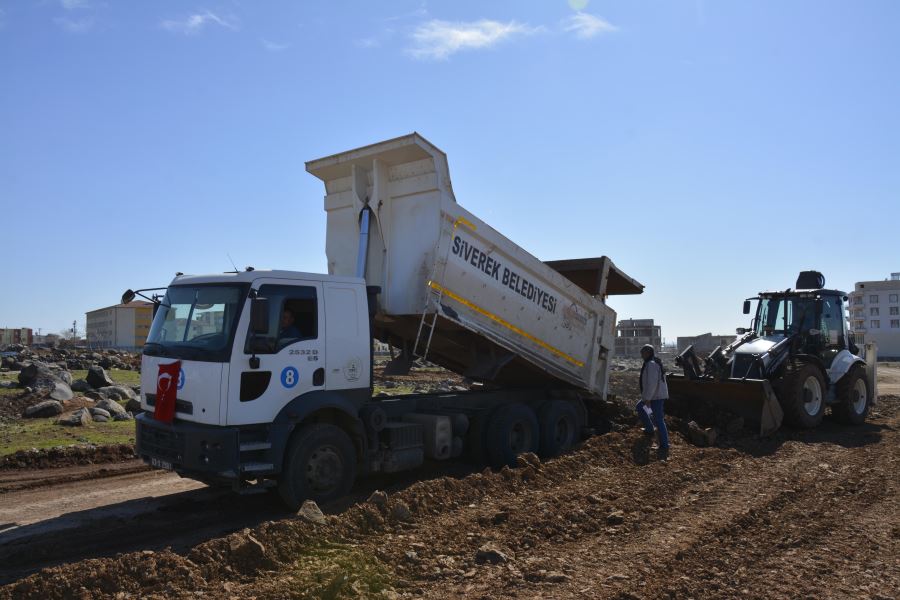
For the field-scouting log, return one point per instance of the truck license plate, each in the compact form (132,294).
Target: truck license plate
(161,464)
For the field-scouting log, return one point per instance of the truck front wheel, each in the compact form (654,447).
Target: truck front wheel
(802,395)
(320,465)
(853,397)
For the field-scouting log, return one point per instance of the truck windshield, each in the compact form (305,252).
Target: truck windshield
(196,322)
(799,315)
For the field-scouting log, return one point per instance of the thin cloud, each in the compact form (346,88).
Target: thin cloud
(74,4)
(75,25)
(437,40)
(196,23)
(586,26)
(274,46)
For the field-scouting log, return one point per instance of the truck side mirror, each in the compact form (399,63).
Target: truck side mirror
(746,307)
(259,316)
(741,330)
(128,296)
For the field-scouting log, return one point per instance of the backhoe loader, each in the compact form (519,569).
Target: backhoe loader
(794,360)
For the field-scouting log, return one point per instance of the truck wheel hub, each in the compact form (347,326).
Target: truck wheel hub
(324,468)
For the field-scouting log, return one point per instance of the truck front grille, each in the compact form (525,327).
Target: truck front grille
(160,443)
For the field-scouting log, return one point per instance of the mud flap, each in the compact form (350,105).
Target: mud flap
(752,399)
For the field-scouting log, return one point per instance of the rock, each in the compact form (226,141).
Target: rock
(700,436)
(44,378)
(379,499)
(80,417)
(61,391)
(47,408)
(400,511)
(117,392)
(616,517)
(133,405)
(556,577)
(311,513)
(123,416)
(99,412)
(528,459)
(491,553)
(100,418)
(110,406)
(97,377)
(247,549)
(80,385)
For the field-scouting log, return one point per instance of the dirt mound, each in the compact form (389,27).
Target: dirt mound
(67,457)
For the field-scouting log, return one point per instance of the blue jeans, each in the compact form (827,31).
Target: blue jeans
(657,407)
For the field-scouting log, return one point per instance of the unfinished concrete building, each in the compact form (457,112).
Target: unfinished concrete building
(704,343)
(631,334)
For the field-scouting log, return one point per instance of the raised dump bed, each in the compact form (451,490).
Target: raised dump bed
(456,291)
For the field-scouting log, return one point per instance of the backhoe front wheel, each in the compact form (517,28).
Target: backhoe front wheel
(803,397)
(853,397)
(320,465)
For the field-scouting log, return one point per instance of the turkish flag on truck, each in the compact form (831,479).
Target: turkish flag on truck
(166,388)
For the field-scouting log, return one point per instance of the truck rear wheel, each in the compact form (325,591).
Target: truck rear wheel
(802,396)
(558,421)
(512,430)
(320,465)
(853,397)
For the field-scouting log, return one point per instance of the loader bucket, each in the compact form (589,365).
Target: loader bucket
(752,399)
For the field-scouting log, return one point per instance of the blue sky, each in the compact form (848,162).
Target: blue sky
(711,149)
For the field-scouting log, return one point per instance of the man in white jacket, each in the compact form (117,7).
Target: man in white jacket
(654,393)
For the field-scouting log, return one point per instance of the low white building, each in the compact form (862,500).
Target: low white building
(875,314)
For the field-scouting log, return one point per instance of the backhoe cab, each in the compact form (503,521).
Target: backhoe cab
(794,360)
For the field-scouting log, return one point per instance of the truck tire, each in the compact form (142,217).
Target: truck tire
(802,396)
(320,465)
(558,422)
(512,430)
(853,397)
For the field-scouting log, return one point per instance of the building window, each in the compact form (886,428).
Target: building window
(893,298)
(895,310)
(860,324)
(895,323)
(875,324)
(873,312)
(857,300)
(873,299)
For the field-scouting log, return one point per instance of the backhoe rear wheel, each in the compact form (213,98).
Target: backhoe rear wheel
(853,397)
(802,396)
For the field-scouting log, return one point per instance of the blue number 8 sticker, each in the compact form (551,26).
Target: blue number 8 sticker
(289,377)
(181,379)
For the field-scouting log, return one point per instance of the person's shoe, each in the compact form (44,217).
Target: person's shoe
(662,454)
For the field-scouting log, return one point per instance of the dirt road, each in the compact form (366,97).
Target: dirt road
(804,514)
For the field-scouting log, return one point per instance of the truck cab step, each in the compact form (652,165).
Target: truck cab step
(256,467)
(252,446)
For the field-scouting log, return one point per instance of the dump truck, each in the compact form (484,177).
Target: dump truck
(274,368)
(796,359)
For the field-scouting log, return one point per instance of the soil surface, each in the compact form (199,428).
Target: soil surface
(802,514)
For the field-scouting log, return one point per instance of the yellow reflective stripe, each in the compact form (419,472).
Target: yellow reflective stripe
(503,322)
(465,222)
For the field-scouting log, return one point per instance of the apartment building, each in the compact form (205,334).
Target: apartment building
(21,335)
(875,314)
(123,326)
(631,334)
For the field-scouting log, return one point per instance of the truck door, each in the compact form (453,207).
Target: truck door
(291,356)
